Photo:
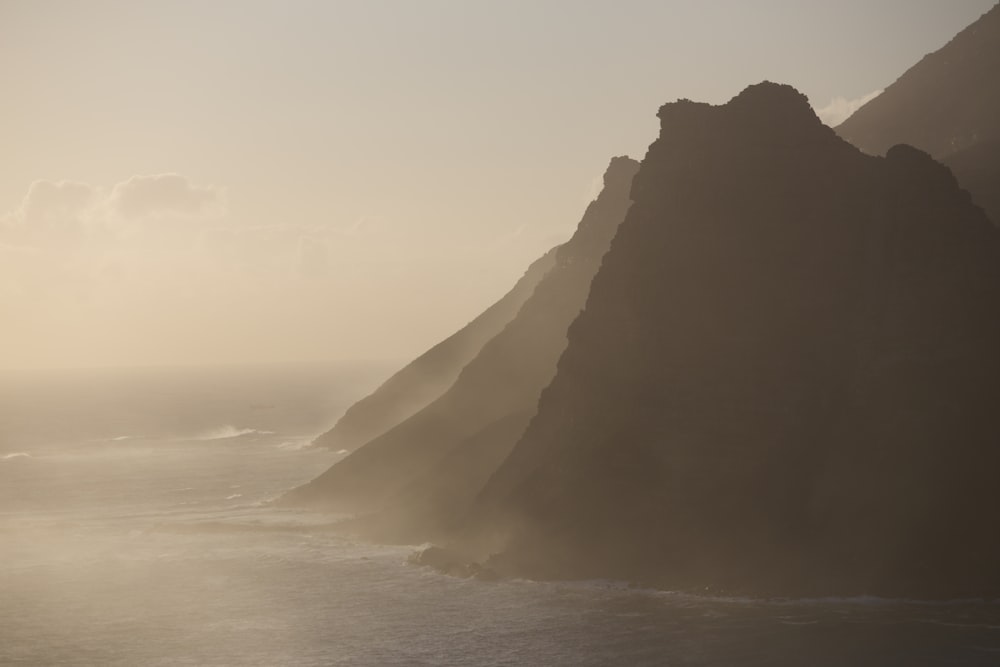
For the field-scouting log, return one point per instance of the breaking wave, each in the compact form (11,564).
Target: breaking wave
(296,445)
(228,431)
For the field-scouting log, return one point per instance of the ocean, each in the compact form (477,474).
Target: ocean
(136,529)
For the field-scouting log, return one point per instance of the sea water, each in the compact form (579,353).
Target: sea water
(136,529)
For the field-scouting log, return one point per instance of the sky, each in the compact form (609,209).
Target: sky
(247,181)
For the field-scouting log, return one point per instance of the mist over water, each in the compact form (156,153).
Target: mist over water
(148,540)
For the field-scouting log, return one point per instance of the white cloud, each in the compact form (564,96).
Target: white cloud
(840,109)
(66,213)
(51,213)
(141,196)
(46,199)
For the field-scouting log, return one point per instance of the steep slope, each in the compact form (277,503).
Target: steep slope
(784,381)
(948,101)
(978,171)
(479,418)
(948,104)
(428,376)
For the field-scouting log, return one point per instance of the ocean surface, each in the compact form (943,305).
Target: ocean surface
(135,529)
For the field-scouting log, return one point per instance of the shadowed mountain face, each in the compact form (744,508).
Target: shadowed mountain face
(978,171)
(429,466)
(785,380)
(948,101)
(948,104)
(429,375)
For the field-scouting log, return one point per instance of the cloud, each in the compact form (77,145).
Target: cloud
(66,213)
(840,109)
(142,196)
(47,200)
(51,213)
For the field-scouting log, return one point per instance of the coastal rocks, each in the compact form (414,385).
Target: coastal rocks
(451,563)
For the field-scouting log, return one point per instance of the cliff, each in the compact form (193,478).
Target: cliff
(784,381)
(425,471)
(948,105)
(428,376)
(948,101)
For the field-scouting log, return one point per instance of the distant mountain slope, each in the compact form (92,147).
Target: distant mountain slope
(947,102)
(429,375)
(494,394)
(785,379)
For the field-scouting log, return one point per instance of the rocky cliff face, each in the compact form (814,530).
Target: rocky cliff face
(948,104)
(428,376)
(426,469)
(784,381)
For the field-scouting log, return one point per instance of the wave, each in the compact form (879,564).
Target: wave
(296,445)
(15,455)
(246,527)
(223,432)
(226,432)
(698,598)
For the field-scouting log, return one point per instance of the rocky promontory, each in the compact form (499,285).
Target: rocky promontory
(784,382)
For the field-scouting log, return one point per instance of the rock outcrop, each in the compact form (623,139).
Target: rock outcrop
(428,376)
(421,475)
(784,382)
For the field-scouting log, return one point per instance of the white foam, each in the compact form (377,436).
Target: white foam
(295,445)
(229,431)
(15,455)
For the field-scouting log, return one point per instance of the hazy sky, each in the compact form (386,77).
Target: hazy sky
(261,181)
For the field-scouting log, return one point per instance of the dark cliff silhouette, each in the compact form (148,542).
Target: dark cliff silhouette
(428,468)
(428,376)
(948,104)
(785,379)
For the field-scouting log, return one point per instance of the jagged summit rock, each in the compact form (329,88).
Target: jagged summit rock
(784,381)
